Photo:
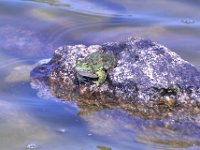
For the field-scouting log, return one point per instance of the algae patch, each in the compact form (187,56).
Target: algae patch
(103,148)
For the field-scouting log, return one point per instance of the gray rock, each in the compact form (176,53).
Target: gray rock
(149,78)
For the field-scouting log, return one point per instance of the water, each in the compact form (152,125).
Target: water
(31,30)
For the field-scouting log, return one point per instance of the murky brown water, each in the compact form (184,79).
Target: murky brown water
(31,30)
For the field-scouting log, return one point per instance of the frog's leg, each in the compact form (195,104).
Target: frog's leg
(80,78)
(101,76)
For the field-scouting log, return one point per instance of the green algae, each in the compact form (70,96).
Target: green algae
(103,148)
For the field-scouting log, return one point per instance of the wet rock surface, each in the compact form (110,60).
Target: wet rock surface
(149,80)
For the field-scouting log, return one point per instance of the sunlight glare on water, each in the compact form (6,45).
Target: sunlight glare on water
(30,30)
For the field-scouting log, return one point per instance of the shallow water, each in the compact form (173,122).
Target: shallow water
(31,30)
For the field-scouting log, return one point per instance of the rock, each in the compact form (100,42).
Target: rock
(149,80)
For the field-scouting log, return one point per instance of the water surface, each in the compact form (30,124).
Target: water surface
(31,30)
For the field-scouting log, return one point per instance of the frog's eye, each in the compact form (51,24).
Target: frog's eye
(78,62)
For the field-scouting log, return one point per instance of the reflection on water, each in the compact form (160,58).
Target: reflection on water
(171,143)
(52,2)
(31,30)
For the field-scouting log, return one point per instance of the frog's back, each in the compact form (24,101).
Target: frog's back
(101,59)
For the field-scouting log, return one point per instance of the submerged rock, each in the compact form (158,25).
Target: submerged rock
(149,80)
(168,132)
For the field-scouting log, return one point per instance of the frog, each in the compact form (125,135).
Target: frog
(95,65)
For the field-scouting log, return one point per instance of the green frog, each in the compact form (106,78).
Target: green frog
(95,65)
